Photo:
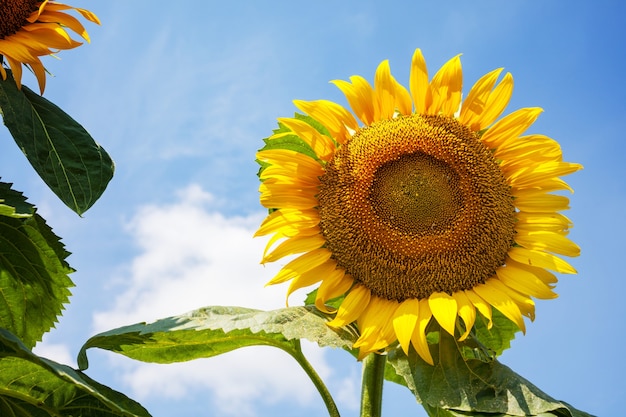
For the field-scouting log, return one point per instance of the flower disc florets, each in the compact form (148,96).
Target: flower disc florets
(416,205)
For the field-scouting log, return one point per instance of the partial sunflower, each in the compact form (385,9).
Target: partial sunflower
(30,29)
(428,209)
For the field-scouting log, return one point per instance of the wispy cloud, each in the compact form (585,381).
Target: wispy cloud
(192,256)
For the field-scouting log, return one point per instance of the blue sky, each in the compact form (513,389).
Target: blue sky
(181,97)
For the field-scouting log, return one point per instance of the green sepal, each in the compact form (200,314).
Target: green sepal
(60,150)
(32,386)
(34,281)
(292,142)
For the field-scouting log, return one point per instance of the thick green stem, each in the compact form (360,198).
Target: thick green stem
(372,386)
(317,381)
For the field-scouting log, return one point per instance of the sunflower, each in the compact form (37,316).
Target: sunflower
(418,207)
(30,29)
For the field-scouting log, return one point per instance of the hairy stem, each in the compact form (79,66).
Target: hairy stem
(372,386)
(317,381)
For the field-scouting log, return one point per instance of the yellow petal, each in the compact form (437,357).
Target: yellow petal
(497,101)
(475,105)
(322,145)
(64,19)
(534,175)
(296,244)
(360,96)
(336,285)
(467,312)
(540,259)
(391,96)
(510,126)
(312,276)
(418,83)
(446,88)
(418,339)
(288,218)
(492,294)
(301,264)
(549,242)
(271,197)
(334,117)
(481,305)
(352,306)
(525,304)
(405,321)
(383,87)
(444,309)
(376,326)
(524,281)
(540,202)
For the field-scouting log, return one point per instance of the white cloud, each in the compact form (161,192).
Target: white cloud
(57,352)
(192,256)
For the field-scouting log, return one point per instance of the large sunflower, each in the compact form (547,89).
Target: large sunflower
(30,29)
(428,210)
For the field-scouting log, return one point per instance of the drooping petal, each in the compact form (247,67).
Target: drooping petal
(490,292)
(481,305)
(418,340)
(467,312)
(312,276)
(333,287)
(405,322)
(376,326)
(444,308)
(352,306)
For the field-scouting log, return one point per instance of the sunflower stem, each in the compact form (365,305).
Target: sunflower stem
(372,385)
(317,381)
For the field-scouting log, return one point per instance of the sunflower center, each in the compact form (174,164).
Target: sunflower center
(416,193)
(416,205)
(13,15)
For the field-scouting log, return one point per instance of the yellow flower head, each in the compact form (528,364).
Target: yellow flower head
(30,29)
(421,208)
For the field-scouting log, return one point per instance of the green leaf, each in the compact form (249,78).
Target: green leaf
(458,386)
(499,337)
(64,155)
(32,386)
(34,282)
(13,203)
(211,331)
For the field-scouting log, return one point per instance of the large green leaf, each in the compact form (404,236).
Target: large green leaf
(32,386)
(212,331)
(34,282)
(66,157)
(458,386)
